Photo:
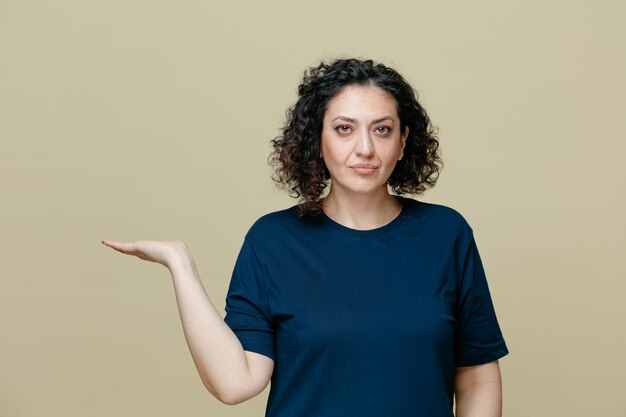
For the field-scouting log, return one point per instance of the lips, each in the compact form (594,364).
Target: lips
(369,166)
(364,169)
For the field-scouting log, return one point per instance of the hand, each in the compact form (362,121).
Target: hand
(162,252)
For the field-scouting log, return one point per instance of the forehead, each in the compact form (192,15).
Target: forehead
(362,101)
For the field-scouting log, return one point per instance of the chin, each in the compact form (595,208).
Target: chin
(362,188)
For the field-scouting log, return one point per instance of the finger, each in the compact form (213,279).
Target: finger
(112,241)
(119,244)
(109,242)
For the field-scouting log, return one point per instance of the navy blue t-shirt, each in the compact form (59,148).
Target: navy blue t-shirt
(363,322)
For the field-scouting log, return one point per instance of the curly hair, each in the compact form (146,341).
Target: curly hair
(296,152)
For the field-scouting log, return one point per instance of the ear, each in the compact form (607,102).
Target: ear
(403,141)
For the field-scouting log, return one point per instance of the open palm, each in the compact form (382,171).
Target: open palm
(157,251)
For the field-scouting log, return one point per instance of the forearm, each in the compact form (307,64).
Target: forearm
(483,399)
(215,349)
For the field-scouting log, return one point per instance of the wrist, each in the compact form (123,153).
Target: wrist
(179,257)
(178,254)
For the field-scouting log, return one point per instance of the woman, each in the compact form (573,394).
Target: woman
(359,302)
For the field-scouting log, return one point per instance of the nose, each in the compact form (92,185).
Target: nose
(364,145)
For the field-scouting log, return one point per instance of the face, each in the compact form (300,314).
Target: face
(361,139)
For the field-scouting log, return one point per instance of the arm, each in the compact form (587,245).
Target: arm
(478,390)
(231,374)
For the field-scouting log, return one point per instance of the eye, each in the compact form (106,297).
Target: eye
(342,128)
(385,129)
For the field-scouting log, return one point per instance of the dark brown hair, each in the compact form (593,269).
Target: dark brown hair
(296,154)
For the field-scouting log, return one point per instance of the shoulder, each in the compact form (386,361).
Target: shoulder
(438,215)
(275,218)
(273,225)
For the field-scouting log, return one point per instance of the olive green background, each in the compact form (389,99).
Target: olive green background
(152,120)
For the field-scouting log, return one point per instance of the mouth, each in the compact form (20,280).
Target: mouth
(364,168)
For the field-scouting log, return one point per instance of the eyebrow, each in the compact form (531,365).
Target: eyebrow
(347,119)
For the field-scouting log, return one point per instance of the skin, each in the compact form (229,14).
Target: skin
(350,135)
(478,390)
(355,200)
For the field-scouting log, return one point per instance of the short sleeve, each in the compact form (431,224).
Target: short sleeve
(478,337)
(247,308)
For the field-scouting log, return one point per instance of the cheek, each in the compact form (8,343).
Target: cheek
(335,152)
(390,154)
(331,158)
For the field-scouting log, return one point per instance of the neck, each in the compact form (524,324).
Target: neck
(361,211)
